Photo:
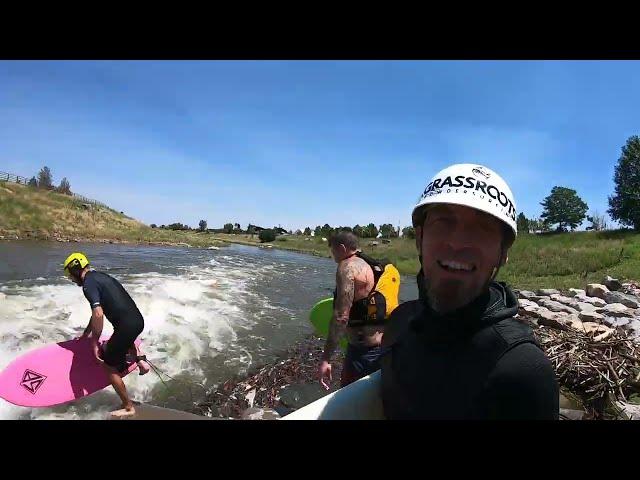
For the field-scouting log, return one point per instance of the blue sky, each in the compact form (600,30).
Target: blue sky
(303,143)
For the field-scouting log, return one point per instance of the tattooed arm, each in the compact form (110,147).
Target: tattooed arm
(345,286)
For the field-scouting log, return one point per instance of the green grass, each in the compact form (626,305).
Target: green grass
(572,259)
(535,261)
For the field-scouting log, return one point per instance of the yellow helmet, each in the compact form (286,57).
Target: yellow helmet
(75,260)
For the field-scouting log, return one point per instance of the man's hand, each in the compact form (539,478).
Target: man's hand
(96,353)
(87,331)
(325,371)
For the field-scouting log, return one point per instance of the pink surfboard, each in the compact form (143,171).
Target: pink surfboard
(55,374)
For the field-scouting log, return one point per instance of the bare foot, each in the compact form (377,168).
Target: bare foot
(124,412)
(143,367)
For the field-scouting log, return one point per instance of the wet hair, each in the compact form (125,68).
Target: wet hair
(348,239)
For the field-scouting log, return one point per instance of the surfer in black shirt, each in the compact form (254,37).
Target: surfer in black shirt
(109,299)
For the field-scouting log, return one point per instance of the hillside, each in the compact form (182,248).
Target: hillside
(29,213)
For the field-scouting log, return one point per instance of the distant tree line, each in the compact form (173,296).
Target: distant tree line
(563,209)
(44,181)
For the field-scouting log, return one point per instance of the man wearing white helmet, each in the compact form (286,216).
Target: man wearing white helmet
(458,353)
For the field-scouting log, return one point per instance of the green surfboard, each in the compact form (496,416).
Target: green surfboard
(320,317)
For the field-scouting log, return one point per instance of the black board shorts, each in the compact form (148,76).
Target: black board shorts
(114,352)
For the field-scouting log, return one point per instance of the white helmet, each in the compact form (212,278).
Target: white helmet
(472,186)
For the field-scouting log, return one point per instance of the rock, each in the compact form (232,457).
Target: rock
(586,307)
(573,321)
(570,302)
(297,396)
(576,291)
(598,302)
(612,283)
(591,317)
(634,327)
(526,294)
(596,290)
(255,413)
(547,292)
(569,414)
(631,289)
(590,327)
(557,307)
(551,319)
(537,298)
(615,322)
(627,300)
(531,310)
(523,302)
(615,310)
(631,411)
(569,400)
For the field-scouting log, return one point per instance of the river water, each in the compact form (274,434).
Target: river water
(209,314)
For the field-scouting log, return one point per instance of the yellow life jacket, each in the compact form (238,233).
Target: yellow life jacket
(383,298)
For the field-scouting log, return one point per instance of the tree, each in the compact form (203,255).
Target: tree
(228,227)
(523,223)
(317,231)
(358,231)
(298,232)
(409,232)
(267,235)
(45,180)
(177,226)
(598,222)
(307,231)
(236,226)
(371,231)
(33,182)
(624,205)
(163,226)
(64,187)
(326,230)
(564,207)
(202,225)
(387,230)
(153,225)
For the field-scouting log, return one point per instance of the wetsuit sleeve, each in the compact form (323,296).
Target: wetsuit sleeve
(523,386)
(91,291)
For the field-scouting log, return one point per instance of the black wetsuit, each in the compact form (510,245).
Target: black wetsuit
(476,363)
(105,291)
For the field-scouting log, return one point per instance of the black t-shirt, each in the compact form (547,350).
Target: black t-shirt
(105,291)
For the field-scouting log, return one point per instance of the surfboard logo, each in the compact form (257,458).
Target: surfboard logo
(32,381)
